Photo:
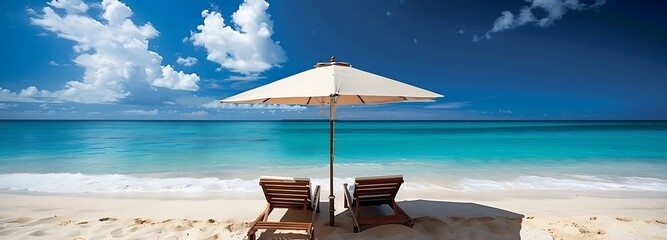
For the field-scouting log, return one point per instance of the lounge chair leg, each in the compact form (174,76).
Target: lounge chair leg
(251,236)
(356,229)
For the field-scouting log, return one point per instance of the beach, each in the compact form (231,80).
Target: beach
(463,180)
(454,216)
(518,120)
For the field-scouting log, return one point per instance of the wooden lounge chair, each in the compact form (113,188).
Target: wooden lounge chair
(290,193)
(375,191)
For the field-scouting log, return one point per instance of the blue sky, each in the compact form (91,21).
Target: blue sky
(523,60)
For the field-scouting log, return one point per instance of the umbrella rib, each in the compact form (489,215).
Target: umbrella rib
(362,100)
(404,98)
(265,100)
(308,102)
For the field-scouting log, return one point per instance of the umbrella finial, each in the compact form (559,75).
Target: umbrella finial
(332,62)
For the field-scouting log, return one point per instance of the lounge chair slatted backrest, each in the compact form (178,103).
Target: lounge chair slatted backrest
(375,191)
(290,193)
(286,193)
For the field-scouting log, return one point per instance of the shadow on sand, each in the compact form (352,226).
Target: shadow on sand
(433,220)
(296,216)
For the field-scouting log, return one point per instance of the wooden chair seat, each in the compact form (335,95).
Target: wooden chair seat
(284,226)
(375,191)
(289,193)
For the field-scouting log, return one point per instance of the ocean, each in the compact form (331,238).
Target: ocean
(229,156)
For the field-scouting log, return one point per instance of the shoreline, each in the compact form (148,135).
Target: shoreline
(421,177)
(508,215)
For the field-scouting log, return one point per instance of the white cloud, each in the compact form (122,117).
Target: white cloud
(555,9)
(141,112)
(250,77)
(504,22)
(247,48)
(505,111)
(9,96)
(54,63)
(29,94)
(6,105)
(30,11)
(525,16)
(71,6)
(177,80)
(217,105)
(198,113)
(113,51)
(188,61)
(450,105)
(213,86)
(116,12)
(32,91)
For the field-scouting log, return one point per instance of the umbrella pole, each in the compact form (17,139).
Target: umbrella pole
(332,117)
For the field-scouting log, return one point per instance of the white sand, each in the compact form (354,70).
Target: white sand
(522,215)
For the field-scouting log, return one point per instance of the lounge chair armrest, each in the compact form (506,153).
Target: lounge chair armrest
(262,216)
(316,197)
(349,201)
(316,203)
(347,194)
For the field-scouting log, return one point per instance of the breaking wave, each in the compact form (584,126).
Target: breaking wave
(119,183)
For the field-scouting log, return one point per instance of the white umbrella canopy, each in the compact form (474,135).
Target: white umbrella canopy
(333,83)
(316,86)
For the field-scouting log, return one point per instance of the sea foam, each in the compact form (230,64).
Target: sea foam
(575,182)
(119,183)
(112,183)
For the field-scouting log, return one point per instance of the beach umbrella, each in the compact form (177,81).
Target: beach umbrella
(332,83)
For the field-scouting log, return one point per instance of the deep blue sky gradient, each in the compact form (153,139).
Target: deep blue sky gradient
(604,63)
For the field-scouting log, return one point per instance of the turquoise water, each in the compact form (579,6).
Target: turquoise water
(210,156)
